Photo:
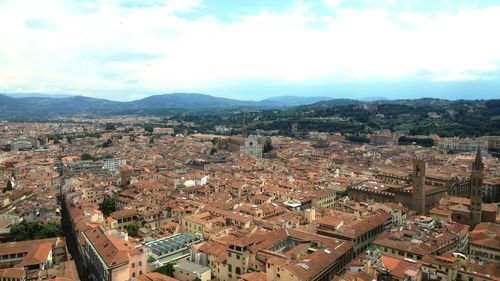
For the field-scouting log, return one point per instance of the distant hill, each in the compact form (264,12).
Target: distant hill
(331,103)
(353,117)
(416,116)
(188,100)
(295,100)
(39,106)
(37,95)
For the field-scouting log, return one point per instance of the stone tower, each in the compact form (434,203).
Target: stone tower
(418,197)
(244,126)
(295,129)
(476,190)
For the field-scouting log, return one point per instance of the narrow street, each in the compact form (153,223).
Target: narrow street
(71,240)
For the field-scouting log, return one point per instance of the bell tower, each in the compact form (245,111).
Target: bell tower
(476,190)
(418,196)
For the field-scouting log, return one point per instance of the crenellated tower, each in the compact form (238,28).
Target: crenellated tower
(476,192)
(418,197)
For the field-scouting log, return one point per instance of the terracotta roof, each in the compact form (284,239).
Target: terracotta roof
(37,251)
(155,276)
(486,234)
(15,272)
(112,250)
(254,276)
(410,239)
(358,226)
(63,279)
(397,266)
(124,213)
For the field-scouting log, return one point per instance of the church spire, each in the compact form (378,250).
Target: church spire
(477,166)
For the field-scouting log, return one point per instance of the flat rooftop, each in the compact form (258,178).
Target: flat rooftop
(191,267)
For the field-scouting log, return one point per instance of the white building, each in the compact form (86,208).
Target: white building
(462,144)
(113,164)
(252,147)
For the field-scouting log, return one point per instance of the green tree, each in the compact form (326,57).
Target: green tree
(213,150)
(34,230)
(110,127)
(8,187)
(268,145)
(133,229)
(197,279)
(7,147)
(107,206)
(167,269)
(87,156)
(215,141)
(50,230)
(149,127)
(107,143)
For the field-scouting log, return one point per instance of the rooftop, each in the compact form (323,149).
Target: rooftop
(173,243)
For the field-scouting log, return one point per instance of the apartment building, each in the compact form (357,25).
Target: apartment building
(110,255)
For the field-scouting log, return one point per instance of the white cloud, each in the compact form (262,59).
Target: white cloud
(461,77)
(156,48)
(332,3)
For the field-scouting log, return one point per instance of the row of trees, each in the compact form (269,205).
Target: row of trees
(34,230)
(88,156)
(427,142)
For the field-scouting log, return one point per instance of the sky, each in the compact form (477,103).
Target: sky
(251,49)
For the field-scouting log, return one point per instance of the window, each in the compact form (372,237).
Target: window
(140,263)
(238,270)
(133,265)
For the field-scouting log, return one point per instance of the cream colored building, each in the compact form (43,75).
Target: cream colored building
(462,144)
(187,271)
(483,242)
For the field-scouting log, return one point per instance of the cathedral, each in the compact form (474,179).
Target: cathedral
(472,210)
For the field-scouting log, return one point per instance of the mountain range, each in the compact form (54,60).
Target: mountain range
(14,106)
